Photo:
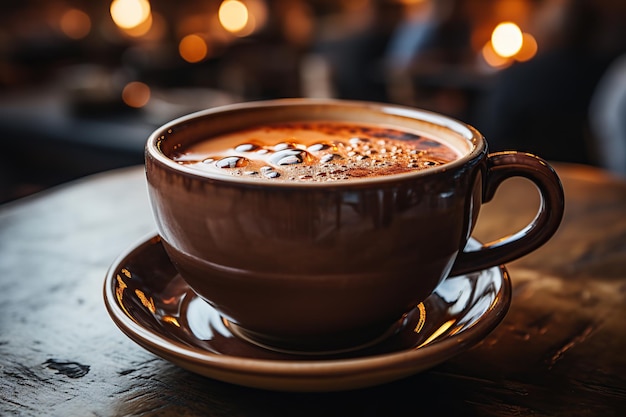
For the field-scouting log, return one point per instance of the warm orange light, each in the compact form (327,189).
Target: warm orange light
(441,330)
(147,302)
(529,48)
(171,320)
(75,23)
(141,29)
(257,12)
(492,58)
(233,15)
(298,23)
(129,13)
(153,29)
(193,48)
(507,39)
(136,94)
(410,2)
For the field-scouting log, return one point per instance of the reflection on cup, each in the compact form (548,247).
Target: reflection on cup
(314,225)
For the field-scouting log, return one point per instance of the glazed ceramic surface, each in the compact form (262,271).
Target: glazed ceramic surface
(328,265)
(155,307)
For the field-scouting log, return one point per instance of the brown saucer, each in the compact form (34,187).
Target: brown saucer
(154,306)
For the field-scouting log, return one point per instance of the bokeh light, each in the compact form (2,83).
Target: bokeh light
(508,43)
(141,29)
(233,15)
(507,39)
(298,23)
(129,13)
(529,48)
(193,48)
(492,58)
(136,94)
(75,24)
(257,13)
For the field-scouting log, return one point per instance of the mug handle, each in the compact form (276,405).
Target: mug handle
(503,165)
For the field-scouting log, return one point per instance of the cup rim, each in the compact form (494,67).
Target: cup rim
(466,131)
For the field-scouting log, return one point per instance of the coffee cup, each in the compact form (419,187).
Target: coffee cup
(314,225)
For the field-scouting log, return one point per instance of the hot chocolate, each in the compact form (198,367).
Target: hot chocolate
(315,151)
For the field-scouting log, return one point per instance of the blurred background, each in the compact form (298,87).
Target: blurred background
(84,82)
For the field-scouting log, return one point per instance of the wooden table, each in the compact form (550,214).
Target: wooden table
(561,350)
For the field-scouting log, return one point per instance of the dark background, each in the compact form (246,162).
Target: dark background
(62,115)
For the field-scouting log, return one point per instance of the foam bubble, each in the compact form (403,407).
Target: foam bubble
(316,152)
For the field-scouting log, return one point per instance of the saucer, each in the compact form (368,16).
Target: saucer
(150,302)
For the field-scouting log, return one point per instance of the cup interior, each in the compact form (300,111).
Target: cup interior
(188,130)
(322,251)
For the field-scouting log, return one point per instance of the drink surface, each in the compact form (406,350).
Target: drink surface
(316,151)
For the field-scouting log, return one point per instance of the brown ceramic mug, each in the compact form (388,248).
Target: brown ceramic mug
(304,265)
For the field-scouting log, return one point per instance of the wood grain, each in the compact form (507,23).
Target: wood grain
(559,351)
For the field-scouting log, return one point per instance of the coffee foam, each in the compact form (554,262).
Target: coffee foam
(316,152)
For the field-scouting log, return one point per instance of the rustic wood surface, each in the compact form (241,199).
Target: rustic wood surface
(561,350)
